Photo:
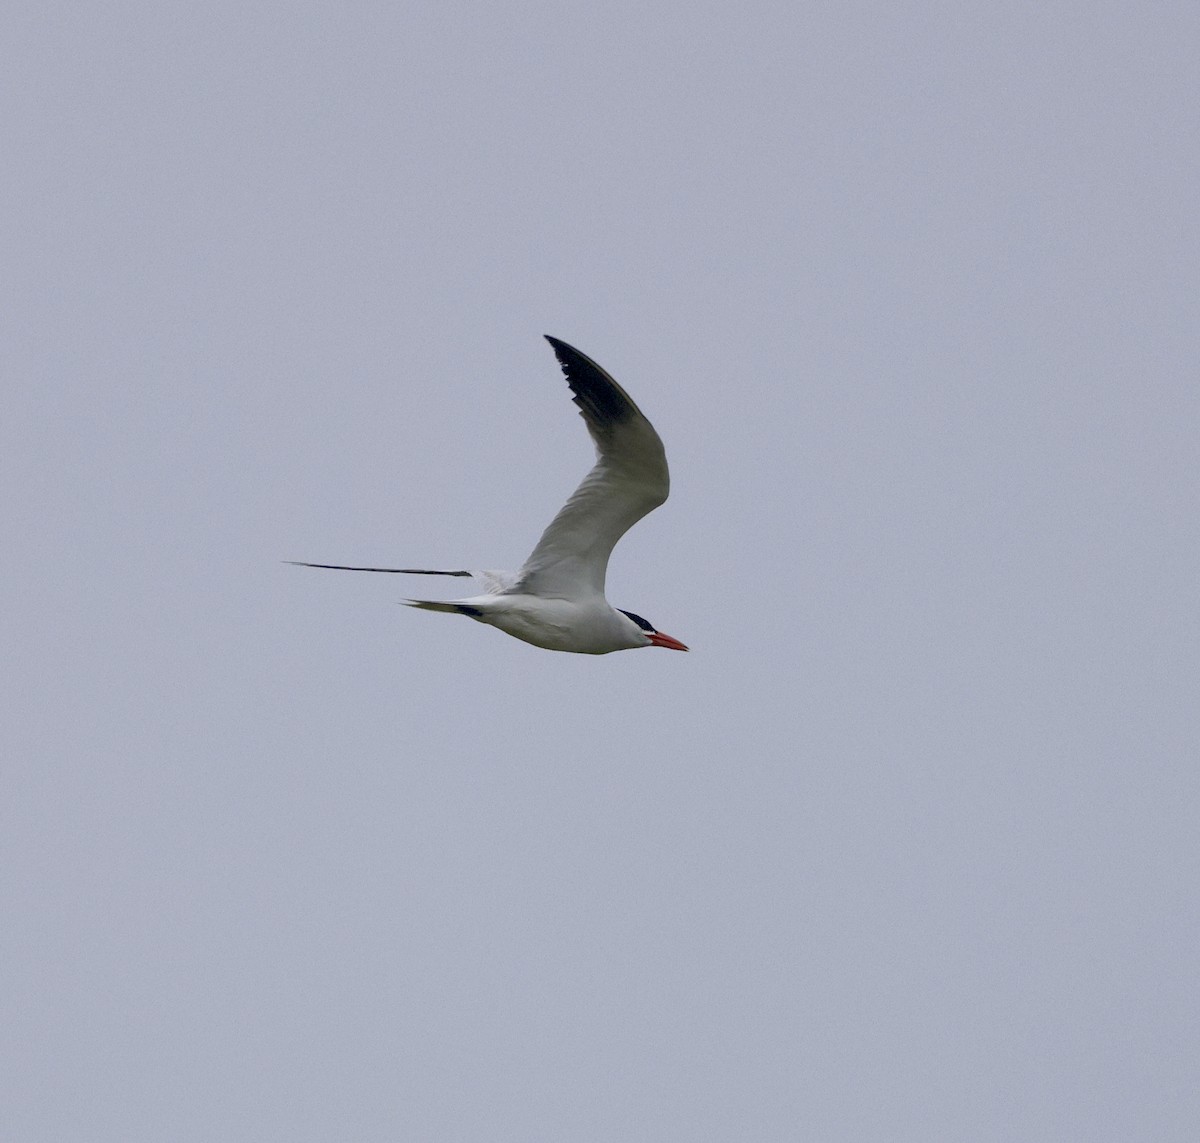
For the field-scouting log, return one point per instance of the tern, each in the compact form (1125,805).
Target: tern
(556,600)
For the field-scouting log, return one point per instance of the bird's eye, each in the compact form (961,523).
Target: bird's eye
(645,625)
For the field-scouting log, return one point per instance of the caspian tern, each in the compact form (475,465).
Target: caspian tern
(556,600)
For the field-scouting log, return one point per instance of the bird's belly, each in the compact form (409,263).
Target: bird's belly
(554,625)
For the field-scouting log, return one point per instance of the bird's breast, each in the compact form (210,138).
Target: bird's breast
(556,624)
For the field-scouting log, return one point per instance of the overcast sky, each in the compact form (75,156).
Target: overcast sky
(905,849)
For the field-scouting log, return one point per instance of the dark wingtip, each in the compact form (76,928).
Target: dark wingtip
(601,400)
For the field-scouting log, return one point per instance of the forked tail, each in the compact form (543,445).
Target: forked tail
(442,605)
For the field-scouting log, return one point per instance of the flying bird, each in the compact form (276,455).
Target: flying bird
(556,600)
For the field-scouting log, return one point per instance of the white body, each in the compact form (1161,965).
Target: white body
(585,626)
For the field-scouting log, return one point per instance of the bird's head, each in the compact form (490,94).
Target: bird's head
(649,637)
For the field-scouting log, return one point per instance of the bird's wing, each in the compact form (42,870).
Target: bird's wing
(389,571)
(628,480)
(496,582)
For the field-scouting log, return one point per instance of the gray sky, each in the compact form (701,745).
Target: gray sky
(905,849)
